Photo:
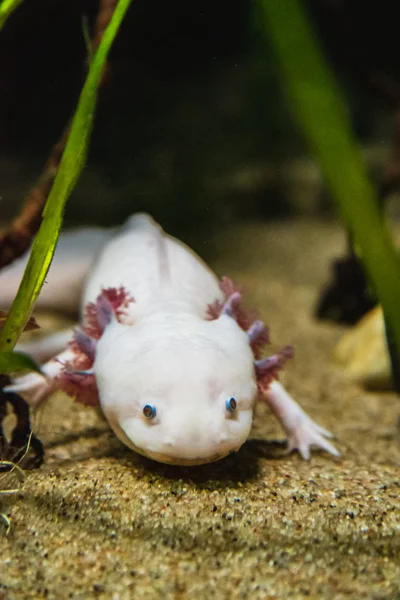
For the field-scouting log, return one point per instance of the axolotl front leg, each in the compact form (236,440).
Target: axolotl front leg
(301,430)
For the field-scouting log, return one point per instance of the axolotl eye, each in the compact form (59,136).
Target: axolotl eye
(149,411)
(231,405)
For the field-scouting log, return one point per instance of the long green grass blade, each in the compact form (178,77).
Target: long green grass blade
(318,106)
(70,167)
(6,8)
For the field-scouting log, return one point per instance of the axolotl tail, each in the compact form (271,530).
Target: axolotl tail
(73,259)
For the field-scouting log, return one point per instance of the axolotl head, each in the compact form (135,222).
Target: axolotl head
(179,392)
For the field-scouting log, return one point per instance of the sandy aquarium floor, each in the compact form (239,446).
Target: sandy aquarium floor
(98,521)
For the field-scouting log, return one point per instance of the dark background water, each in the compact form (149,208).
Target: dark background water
(192,125)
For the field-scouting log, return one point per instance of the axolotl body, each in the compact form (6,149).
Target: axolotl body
(168,352)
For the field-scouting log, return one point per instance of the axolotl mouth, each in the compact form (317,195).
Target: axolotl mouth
(175,458)
(183,462)
(167,458)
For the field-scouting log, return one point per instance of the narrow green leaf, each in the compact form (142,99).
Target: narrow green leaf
(317,102)
(13,362)
(71,165)
(6,8)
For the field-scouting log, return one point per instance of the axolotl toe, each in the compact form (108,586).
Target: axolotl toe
(170,354)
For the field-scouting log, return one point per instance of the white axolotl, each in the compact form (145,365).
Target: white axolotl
(165,349)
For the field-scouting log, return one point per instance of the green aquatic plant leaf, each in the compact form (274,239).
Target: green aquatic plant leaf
(6,8)
(318,106)
(71,165)
(13,362)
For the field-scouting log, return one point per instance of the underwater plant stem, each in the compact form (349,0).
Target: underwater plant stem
(72,162)
(318,106)
(6,8)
